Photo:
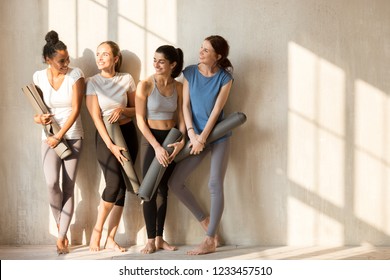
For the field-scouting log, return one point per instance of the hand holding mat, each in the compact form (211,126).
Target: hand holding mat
(128,172)
(34,95)
(156,170)
(220,129)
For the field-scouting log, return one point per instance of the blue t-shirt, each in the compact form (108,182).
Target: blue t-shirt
(203,94)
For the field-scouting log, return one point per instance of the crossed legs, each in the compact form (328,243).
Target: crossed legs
(218,166)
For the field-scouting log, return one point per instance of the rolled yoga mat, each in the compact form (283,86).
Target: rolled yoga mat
(34,95)
(128,172)
(232,121)
(156,170)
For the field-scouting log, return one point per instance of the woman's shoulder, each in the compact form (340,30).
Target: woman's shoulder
(146,84)
(192,67)
(92,78)
(179,87)
(190,70)
(225,75)
(40,72)
(124,75)
(76,73)
(39,75)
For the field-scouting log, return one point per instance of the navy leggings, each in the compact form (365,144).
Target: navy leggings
(115,190)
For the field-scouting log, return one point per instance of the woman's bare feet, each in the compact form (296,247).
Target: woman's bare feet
(66,241)
(94,243)
(62,243)
(205,224)
(150,247)
(61,248)
(206,247)
(162,244)
(112,245)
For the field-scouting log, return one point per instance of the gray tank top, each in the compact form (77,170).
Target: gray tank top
(160,107)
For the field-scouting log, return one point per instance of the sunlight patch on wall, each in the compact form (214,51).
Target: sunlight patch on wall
(65,23)
(372,171)
(316,144)
(138,26)
(307,226)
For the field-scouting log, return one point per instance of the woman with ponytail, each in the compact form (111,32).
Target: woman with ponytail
(158,109)
(206,88)
(63,91)
(111,94)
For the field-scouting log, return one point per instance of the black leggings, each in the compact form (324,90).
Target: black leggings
(115,190)
(155,209)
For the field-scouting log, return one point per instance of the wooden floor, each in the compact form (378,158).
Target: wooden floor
(232,252)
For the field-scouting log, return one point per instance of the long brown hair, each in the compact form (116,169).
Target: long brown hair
(221,47)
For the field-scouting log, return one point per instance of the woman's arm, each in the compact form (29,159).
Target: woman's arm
(94,110)
(198,141)
(195,144)
(128,111)
(219,105)
(180,123)
(141,97)
(78,90)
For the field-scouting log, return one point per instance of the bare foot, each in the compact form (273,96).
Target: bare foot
(61,248)
(66,241)
(94,244)
(149,248)
(162,244)
(206,247)
(111,244)
(218,241)
(62,245)
(205,224)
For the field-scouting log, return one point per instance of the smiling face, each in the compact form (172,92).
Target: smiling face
(59,62)
(162,65)
(105,59)
(207,54)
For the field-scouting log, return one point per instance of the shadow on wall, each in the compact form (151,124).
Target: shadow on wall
(90,180)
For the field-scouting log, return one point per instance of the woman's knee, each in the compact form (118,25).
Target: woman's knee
(215,187)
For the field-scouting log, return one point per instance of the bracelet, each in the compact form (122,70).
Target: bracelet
(203,143)
(190,129)
(56,138)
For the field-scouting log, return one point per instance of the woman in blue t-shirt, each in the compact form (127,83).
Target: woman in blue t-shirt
(206,89)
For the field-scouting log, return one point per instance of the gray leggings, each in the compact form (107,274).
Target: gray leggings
(219,159)
(61,199)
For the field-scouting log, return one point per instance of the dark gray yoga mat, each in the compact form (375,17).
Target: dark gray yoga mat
(156,170)
(230,122)
(128,172)
(34,95)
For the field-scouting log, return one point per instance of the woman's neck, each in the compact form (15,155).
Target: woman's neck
(54,73)
(208,70)
(108,73)
(163,80)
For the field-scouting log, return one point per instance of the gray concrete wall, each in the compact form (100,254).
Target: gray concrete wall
(310,166)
